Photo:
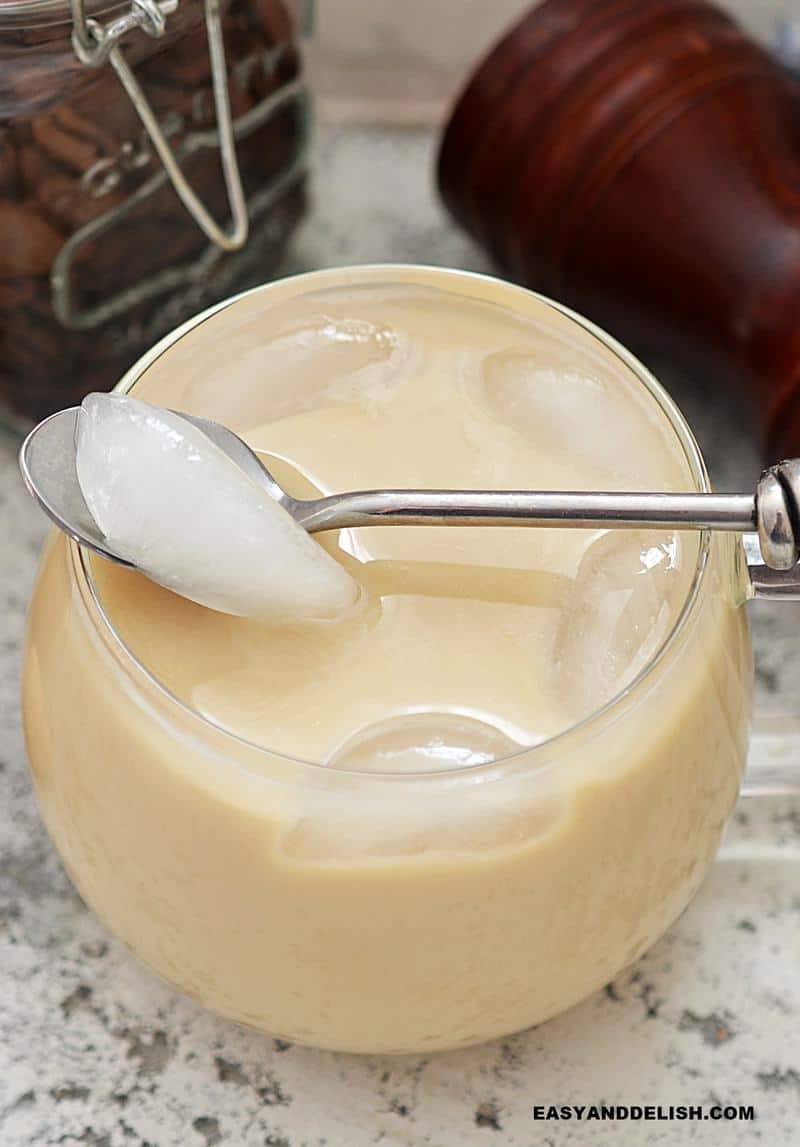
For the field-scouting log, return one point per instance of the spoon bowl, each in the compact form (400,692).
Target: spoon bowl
(47,465)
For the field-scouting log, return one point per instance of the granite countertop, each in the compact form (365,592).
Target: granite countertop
(95,1051)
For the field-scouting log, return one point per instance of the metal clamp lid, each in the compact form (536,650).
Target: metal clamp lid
(95,44)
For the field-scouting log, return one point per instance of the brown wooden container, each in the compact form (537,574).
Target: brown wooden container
(641,161)
(98,255)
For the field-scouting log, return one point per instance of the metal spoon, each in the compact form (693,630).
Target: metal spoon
(47,462)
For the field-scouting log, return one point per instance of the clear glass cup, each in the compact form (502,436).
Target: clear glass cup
(373,911)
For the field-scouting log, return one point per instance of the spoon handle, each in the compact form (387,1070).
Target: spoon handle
(529,508)
(774,510)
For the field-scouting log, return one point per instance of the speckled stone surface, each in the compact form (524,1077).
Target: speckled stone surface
(95,1051)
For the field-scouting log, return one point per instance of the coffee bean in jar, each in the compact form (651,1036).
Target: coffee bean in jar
(152,161)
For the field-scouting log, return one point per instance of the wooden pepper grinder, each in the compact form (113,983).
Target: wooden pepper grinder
(640,160)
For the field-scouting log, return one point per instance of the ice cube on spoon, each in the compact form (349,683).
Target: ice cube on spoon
(177,507)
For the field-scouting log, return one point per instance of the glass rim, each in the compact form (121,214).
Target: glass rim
(534,756)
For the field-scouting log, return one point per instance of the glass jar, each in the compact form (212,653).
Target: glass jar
(369,911)
(102,250)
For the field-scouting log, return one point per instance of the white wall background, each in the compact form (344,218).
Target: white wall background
(403,60)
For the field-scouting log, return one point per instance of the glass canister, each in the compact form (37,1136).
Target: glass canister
(152,160)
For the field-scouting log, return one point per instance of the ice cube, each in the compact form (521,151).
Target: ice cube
(576,420)
(617,612)
(423,742)
(463,815)
(170,501)
(311,362)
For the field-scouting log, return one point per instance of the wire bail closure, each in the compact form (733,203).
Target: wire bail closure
(96,44)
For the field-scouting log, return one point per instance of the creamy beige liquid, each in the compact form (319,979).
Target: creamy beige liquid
(493,639)
(356,916)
